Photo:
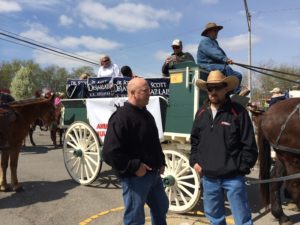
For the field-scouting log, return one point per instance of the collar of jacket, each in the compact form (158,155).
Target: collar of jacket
(226,106)
(128,104)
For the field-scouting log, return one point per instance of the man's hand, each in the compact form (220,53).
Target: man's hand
(142,170)
(198,168)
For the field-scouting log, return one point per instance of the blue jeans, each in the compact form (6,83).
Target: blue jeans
(227,71)
(213,197)
(140,190)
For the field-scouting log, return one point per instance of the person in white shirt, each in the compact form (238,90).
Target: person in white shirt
(107,68)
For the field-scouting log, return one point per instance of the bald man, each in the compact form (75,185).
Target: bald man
(133,149)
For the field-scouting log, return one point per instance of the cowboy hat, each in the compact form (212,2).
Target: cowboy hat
(276,90)
(216,77)
(211,26)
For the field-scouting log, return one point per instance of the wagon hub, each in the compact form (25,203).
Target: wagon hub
(169,181)
(77,153)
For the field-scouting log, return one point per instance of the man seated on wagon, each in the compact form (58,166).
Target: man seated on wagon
(211,56)
(277,96)
(178,56)
(5,117)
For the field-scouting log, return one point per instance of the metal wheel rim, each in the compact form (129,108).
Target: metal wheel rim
(84,167)
(185,193)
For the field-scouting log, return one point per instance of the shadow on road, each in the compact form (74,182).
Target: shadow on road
(106,180)
(37,191)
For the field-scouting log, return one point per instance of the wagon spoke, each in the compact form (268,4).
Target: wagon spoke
(173,161)
(75,131)
(73,157)
(73,139)
(185,190)
(89,166)
(81,172)
(185,177)
(86,171)
(183,171)
(168,162)
(187,184)
(78,166)
(90,146)
(182,196)
(91,159)
(74,164)
(72,145)
(178,166)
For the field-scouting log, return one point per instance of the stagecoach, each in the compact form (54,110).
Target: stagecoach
(173,108)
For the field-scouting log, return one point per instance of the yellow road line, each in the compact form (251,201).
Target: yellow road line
(229,220)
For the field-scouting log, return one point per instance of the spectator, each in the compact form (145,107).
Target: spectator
(108,69)
(84,76)
(277,96)
(211,56)
(176,57)
(133,149)
(223,128)
(127,72)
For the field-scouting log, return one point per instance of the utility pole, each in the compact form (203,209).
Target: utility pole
(248,17)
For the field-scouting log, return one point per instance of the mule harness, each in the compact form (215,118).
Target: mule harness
(281,148)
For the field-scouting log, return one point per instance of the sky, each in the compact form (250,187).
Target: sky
(139,33)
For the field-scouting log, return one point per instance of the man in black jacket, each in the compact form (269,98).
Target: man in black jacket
(133,149)
(223,150)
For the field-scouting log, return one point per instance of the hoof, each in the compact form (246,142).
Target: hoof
(4,188)
(18,188)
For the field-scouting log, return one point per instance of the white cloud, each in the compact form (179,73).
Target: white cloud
(40,4)
(125,16)
(41,33)
(65,21)
(209,1)
(239,42)
(8,6)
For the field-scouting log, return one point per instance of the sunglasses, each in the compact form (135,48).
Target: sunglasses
(175,47)
(215,87)
(106,60)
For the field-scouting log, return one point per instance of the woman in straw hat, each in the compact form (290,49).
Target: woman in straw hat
(223,150)
(211,56)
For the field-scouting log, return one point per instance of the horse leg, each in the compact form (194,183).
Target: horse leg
(31,136)
(61,132)
(275,195)
(4,165)
(14,158)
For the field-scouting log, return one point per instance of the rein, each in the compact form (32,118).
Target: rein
(260,70)
(277,179)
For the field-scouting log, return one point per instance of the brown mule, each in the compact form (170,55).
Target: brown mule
(26,112)
(279,127)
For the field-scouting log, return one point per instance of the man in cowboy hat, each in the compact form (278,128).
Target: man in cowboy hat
(178,56)
(223,150)
(211,56)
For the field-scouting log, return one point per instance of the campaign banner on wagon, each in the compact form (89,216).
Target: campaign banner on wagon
(100,87)
(99,111)
(159,86)
(76,88)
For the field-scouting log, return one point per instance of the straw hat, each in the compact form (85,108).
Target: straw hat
(216,77)
(276,90)
(211,26)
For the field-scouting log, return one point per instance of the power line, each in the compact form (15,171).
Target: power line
(48,48)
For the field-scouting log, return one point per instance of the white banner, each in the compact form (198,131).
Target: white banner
(99,111)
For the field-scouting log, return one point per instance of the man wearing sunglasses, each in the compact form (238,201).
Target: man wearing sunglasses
(211,56)
(176,57)
(223,150)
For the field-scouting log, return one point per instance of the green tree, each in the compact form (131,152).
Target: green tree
(84,69)
(23,86)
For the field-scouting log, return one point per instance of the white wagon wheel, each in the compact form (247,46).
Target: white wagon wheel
(182,183)
(81,153)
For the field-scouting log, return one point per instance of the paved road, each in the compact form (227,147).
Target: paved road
(50,197)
